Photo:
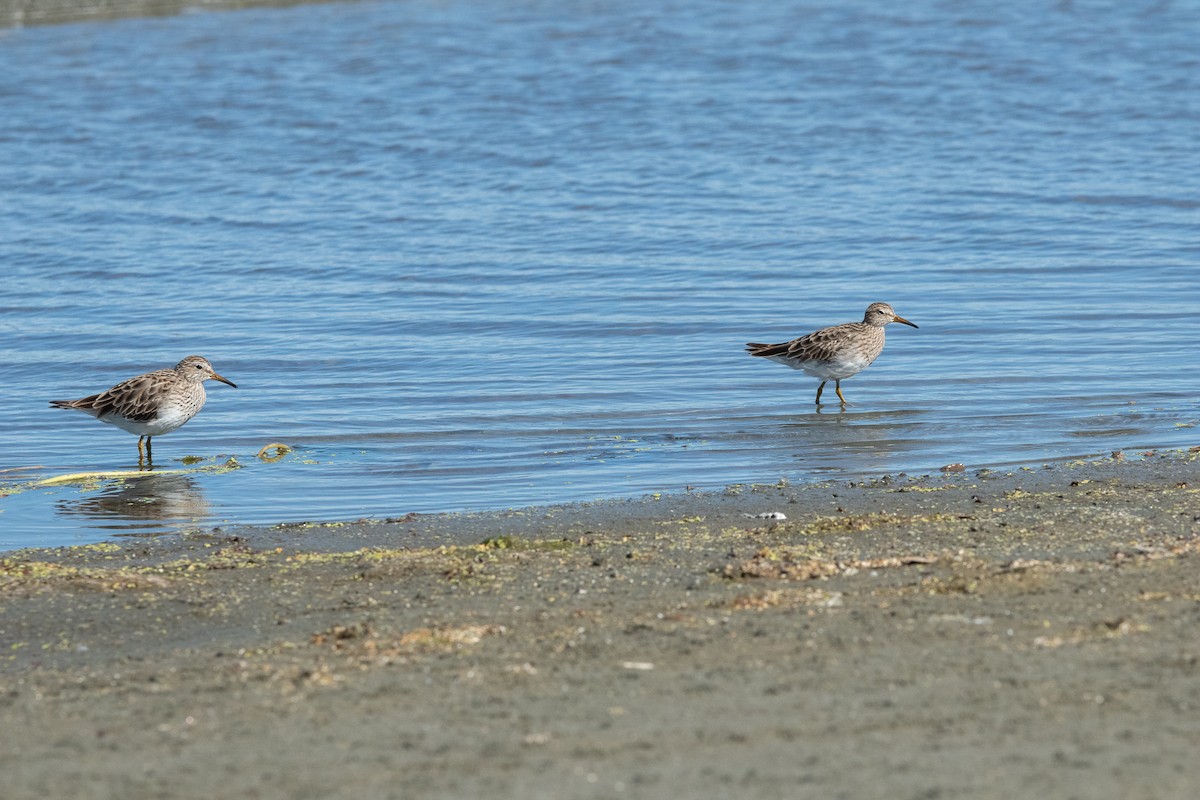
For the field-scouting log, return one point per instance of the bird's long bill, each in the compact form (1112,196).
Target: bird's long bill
(898,318)
(217,377)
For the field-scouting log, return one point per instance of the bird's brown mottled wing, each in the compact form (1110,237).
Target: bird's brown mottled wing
(821,345)
(133,399)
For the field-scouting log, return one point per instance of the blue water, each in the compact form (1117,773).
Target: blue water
(468,255)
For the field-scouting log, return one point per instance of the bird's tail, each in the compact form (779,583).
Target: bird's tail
(83,403)
(766,350)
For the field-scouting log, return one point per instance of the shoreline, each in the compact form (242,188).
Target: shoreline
(21,13)
(986,635)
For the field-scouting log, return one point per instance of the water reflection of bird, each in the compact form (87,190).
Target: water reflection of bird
(152,498)
(153,404)
(836,353)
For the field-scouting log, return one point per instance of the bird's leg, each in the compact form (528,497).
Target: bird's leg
(837,387)
(820,389)
(141,455)
(149,455)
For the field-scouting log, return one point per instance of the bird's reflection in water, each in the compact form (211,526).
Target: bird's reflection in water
(142,503)
(847,439)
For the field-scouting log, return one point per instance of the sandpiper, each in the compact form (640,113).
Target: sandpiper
(834,353)
(153,404)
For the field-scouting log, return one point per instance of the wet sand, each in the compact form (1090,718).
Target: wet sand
(996,635)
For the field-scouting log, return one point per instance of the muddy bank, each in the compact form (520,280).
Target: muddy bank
(1030,634)
(17,13)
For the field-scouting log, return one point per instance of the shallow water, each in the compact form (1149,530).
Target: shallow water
(466,255)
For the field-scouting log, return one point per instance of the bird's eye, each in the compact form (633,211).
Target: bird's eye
(199,367)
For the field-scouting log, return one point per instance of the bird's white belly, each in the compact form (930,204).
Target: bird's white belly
(169,418)
(834,370)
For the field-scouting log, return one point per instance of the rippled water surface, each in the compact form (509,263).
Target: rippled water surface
(466,255)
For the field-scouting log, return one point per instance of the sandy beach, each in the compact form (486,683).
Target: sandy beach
(987,635)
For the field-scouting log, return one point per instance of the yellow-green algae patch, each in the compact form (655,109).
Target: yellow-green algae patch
(94,479)
(517,543)
(273,452)
(906,489)
(234,557)
(104,475)
(17,574)
(366,555)
(23,570)
(96,547)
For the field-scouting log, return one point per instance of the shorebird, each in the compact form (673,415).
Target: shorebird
(153,404)
(835,353)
